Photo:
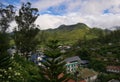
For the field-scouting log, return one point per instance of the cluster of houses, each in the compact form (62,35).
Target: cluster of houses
(74,65)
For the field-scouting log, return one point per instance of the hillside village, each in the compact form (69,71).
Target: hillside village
(77,67)
(69,53)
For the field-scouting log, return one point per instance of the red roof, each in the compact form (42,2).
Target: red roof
(71,80)
(82,81)
(113,67)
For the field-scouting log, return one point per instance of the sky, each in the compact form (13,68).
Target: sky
(53,13)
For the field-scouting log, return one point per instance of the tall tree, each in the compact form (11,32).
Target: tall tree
(6,16)
(25,33)
(53,69)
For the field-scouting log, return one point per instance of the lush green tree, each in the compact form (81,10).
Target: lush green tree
(43,36)
(21,70)
(5,63)
(6,16)
(25,33)
(54,65)
(83,53)
(105,77)
(4,42)
(26,71)
(97,65)
(15,69)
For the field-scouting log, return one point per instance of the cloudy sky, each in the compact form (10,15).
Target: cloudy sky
(94,13)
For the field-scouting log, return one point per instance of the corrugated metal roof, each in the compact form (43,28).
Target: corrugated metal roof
(74,58)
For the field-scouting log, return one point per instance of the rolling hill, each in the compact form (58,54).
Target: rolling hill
(69,34)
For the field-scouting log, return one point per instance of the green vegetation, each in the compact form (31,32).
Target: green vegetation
(13,69)
(104,77)
(28,71)
(6,15)
(100,47)
(54,65)
(25,37)
(101,52)
(70,34)
(19,70)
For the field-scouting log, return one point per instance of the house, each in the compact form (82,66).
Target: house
(114,69)
(37,58)
(65,47)
(88,75)
(84,63)
(113,80)
(84,75)
(72,63)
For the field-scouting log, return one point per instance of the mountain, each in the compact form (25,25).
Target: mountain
(69,34)
(72,27)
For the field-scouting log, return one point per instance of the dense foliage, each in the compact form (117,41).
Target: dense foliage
(53,68)
(69,34)
(100,47)
(6,16)
(14,69)
(25,34)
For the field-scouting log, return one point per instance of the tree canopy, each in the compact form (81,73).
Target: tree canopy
(54,65)
(25,33)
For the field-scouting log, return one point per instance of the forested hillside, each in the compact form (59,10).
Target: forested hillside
(69,34)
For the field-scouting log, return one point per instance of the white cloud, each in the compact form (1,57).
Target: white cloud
(90,12)
(103,21)
(44,4)
(83,6)
(53,21)
(12,26)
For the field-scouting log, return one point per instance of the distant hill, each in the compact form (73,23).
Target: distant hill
(72,27)
(69,34)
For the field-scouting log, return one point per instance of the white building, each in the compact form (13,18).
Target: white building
(72,64)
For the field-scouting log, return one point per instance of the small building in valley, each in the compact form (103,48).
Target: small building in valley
(37,58)
(113,80)
(72,63)
(113,69)
(88,75)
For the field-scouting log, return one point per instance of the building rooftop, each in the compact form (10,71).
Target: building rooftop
(72,59)
(113,80)
(84,62)
(71,80)
(85,73)
(113,67)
